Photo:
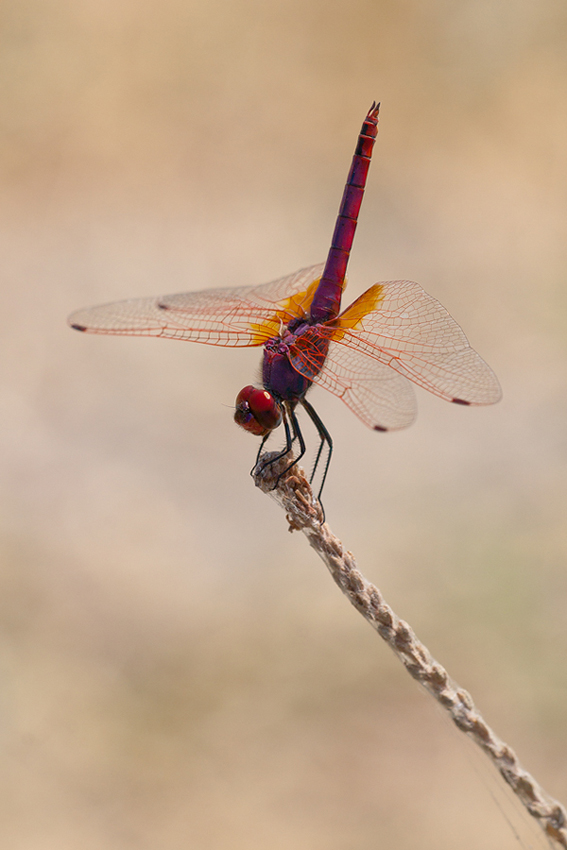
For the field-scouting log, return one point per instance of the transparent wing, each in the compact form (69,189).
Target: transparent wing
(241,316)
(382,398)
(409,331)
(394,331)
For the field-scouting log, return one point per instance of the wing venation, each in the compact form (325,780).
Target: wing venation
(240,316)
(413,334)
(379,396)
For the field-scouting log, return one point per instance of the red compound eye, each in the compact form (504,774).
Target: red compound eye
(257,411)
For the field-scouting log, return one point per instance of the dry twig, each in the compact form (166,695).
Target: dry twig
(304,514)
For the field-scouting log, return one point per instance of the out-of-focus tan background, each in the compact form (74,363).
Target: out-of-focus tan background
(176,670)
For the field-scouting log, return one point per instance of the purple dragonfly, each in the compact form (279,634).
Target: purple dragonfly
(365,354)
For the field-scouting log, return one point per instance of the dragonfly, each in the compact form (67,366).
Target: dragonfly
(368,355)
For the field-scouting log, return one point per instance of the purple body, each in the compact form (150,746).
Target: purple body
(327,301)
(278,375)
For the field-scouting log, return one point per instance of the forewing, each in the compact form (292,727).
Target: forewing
(241,316)
(380,397)
(399,325)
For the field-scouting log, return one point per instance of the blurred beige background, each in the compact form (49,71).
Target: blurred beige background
(176,670)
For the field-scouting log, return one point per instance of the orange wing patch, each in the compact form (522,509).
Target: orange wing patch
(353,315)
(295,307)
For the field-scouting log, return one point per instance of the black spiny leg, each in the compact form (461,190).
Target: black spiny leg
(288,444)
(325,438)
(296,435)
(257,461)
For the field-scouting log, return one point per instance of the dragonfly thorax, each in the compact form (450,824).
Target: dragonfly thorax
(257,411)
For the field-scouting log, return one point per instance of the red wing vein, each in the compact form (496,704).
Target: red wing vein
(415,335)
(240,316)
(379,396)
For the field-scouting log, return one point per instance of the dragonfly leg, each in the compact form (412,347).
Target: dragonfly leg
(325,438)
(262,444)
(317,459)
(288,444)
(296,435)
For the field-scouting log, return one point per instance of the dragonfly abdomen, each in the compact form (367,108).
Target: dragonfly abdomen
(327,300)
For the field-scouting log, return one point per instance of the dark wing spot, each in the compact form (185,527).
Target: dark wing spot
(459,401)
(379,428)
(79,327)
(163,306)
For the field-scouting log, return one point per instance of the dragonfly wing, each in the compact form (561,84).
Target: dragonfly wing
(241,316)
(399,325)
(380,397)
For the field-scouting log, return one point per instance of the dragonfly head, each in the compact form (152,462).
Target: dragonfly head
(257,411)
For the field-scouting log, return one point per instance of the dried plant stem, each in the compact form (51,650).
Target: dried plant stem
(304,514)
